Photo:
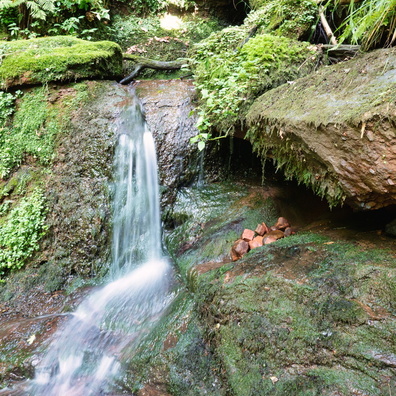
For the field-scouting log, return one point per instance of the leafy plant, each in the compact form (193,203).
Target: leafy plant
(40,17)
(6,106)
(370,23)
(229,77)
(21,232)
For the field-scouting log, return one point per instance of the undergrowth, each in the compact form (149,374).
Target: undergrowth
(230,73)
(21,231)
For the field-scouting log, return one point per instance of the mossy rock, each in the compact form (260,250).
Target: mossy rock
(334,130)
(58,58)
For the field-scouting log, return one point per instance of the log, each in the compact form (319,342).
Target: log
(143,63)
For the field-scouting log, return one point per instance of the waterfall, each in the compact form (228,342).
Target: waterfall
(86,352)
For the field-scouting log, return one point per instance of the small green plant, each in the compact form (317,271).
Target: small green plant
(21,232)
(6,107)
(229,77)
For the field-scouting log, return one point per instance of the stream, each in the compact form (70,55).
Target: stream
(85,354)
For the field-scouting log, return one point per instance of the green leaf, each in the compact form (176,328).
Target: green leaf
(201,145)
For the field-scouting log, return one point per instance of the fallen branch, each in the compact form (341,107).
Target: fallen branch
(143,63)
(326,26)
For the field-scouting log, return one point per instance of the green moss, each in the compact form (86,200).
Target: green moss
(230,74)
(57,58)
(289,18)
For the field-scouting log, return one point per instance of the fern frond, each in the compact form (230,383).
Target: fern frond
(39,9)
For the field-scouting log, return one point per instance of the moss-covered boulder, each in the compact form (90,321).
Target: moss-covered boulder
(311,314)
(335,130)
(59,58)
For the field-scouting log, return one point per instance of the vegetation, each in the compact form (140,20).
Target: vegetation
(33,18)
(230,75)
(21,231)
(32,133)
(289,18)
(29,129)
(369,23)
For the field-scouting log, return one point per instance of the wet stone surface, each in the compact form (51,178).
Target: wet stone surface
(167,105)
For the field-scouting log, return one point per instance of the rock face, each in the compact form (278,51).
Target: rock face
(167,105)
(79,185)
(335,130)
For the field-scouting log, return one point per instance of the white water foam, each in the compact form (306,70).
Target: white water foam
(85,354)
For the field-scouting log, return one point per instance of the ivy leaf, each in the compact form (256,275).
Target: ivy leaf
(201,145)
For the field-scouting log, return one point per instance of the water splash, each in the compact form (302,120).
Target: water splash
(85,354)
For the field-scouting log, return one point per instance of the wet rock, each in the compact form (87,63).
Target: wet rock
(281,224)
(239,248)
(261,229)
(247,235)
(256,242)
(167,106)
(273,236)
(78,186)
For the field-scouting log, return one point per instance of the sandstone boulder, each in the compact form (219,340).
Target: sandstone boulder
(335,130)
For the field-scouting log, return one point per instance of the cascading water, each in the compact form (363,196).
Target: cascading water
(85,355)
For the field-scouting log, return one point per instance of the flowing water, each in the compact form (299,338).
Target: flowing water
(84,356)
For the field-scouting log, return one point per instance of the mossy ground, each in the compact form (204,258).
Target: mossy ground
(311,314)
(58,58)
